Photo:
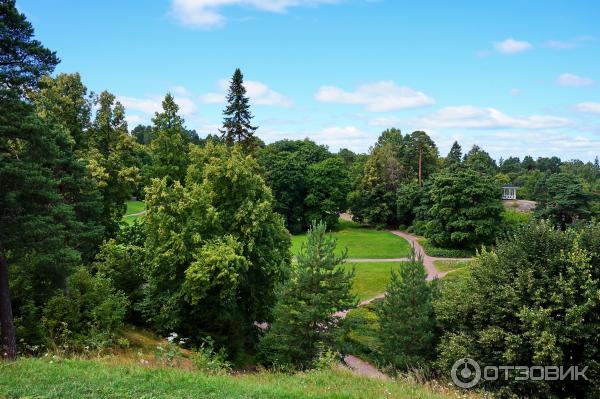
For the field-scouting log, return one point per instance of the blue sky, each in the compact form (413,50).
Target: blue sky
(515,77)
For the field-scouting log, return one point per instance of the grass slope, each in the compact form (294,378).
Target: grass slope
(91,379)
(362,242)
(371,278)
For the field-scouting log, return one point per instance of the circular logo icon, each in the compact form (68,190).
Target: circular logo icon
(466,373)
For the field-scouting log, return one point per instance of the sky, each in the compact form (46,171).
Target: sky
(516,78)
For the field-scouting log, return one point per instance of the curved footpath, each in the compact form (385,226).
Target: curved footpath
(354,363)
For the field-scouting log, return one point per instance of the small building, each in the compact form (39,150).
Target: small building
(509,192)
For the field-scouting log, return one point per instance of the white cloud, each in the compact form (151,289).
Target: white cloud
(589,107)
(259,93)
(381,96)
(515,92)
(572,80)
(470,117)
(139,110)
(387,121)
(512,46)
(567,44)
(207,14)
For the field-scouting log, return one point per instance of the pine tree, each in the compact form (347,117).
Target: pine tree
(237,125)
(29,202)
(304,316)
(169,148)
(455,155)
(406,317)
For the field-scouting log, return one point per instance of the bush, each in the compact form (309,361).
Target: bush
(432,250)
(534,300)
(209,360)
(88,315)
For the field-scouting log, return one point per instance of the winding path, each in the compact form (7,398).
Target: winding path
(354,363)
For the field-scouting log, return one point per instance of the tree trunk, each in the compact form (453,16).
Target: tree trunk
(9,343)
(420,166)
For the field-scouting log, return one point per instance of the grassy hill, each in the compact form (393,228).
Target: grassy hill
(44,378)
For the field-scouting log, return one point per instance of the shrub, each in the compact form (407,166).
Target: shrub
(209,360)
(87,315)
(432,250)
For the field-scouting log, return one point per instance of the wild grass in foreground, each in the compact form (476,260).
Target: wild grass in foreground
(42,378)
(362,242)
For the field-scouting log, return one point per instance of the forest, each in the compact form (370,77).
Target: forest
(234,258)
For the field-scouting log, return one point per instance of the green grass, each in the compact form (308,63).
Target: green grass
(362,242)
(134,207)
(42,378)
(371,278)
(449,265)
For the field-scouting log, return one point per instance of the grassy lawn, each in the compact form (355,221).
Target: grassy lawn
(133,207)
(448,265)
(362,242)
(371,278)
(45,378)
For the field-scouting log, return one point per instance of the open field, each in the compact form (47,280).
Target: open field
(371,277)
(44,378)
(362,242)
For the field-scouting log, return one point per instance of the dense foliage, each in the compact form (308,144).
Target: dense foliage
(215,249)
(534,300)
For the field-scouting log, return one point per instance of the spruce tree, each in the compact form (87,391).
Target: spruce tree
(305,314)
(455,155)
(237,125)
(406,317)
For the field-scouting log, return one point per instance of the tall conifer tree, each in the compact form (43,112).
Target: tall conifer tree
(237,126)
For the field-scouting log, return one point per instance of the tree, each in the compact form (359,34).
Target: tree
(31,212)
(465,209)
(480,160)
(169,147)
(215,250)
(112,160)
(408,198)
(406,317)
(237,125)
(304,316)
(23,60)
(373,200)
(565,201)
(64,100)
(286,165)
(328,185)
(63,103)
(528,163)
(143,134)
(454,157)
(533,300)
(420,155)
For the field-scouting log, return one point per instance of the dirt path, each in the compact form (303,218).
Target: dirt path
(136,214)
(361,367)
(355,364)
